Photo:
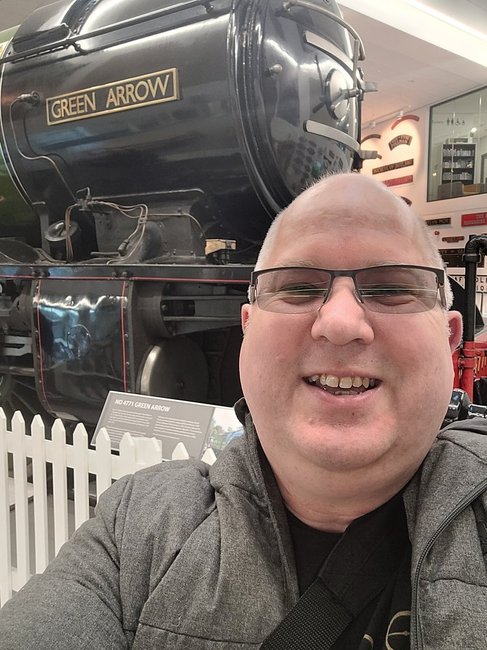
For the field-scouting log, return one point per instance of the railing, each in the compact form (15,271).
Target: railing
(48,488)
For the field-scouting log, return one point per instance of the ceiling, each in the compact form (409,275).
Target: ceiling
(437,59)
(410,71)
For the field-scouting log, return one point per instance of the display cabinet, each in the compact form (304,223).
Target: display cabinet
(458,162)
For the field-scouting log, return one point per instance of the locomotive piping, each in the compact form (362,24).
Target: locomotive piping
(20,99)
(129,22)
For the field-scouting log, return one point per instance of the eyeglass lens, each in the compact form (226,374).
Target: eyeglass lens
(384,289)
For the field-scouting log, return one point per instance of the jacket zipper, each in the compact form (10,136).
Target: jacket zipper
(414,600)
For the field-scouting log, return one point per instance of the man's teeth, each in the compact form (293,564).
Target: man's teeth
(332,381)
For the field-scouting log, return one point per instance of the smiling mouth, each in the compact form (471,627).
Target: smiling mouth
(343,385)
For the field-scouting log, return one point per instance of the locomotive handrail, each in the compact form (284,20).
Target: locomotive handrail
(311,126)
(358,55)
(343,23)
(122,24)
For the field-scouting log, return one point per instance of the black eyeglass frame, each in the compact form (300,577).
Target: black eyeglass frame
(350,273)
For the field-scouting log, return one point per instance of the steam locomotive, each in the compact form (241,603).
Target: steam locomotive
(146,147)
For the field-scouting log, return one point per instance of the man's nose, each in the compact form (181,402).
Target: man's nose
(342,318)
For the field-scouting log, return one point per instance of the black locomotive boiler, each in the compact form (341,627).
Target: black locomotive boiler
(147,145)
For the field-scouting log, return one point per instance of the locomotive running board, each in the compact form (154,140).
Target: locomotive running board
(205,274)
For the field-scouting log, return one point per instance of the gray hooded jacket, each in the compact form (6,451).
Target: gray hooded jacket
(182,556)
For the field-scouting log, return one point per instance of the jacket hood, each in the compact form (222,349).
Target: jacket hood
(245,468)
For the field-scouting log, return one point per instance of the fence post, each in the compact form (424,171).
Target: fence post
(103,462)
(126,460)
(209,456)
(39,480)
(5,552)
(21,499)
(180,452)
(137,452)
(59,485)
(148,451)
(81,476)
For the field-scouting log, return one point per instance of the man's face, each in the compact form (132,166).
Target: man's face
(391,426)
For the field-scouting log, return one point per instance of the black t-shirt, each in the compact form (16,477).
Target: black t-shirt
(368,569)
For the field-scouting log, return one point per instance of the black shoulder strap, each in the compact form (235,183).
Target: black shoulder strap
(314,623)
(372,546)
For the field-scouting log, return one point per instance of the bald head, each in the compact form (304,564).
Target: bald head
(350,201)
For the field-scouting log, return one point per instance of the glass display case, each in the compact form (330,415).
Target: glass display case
(457,160)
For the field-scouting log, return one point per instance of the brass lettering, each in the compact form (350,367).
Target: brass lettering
(90,102)
(72,106)
(56,110)
(111,99)
(145,87)
(129,89)
(154,83)
(121,99)
(64,106)
(155,87)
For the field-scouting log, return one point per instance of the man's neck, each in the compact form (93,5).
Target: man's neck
(331,501)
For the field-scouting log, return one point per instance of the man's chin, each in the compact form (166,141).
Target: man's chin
(343,447)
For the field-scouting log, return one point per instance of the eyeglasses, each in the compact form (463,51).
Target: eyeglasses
(386,289)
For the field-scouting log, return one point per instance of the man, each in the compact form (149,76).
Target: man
(338,520)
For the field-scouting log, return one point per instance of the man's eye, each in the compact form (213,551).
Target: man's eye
(393,294)
(300,288)
(299,293)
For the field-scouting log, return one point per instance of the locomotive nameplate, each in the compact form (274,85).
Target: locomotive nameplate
(113,97)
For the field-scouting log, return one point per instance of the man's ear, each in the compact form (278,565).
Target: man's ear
(245,316)
(456,327)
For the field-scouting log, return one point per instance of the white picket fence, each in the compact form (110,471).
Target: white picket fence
(36,515)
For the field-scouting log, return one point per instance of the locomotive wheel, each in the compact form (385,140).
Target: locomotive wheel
(176,369)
